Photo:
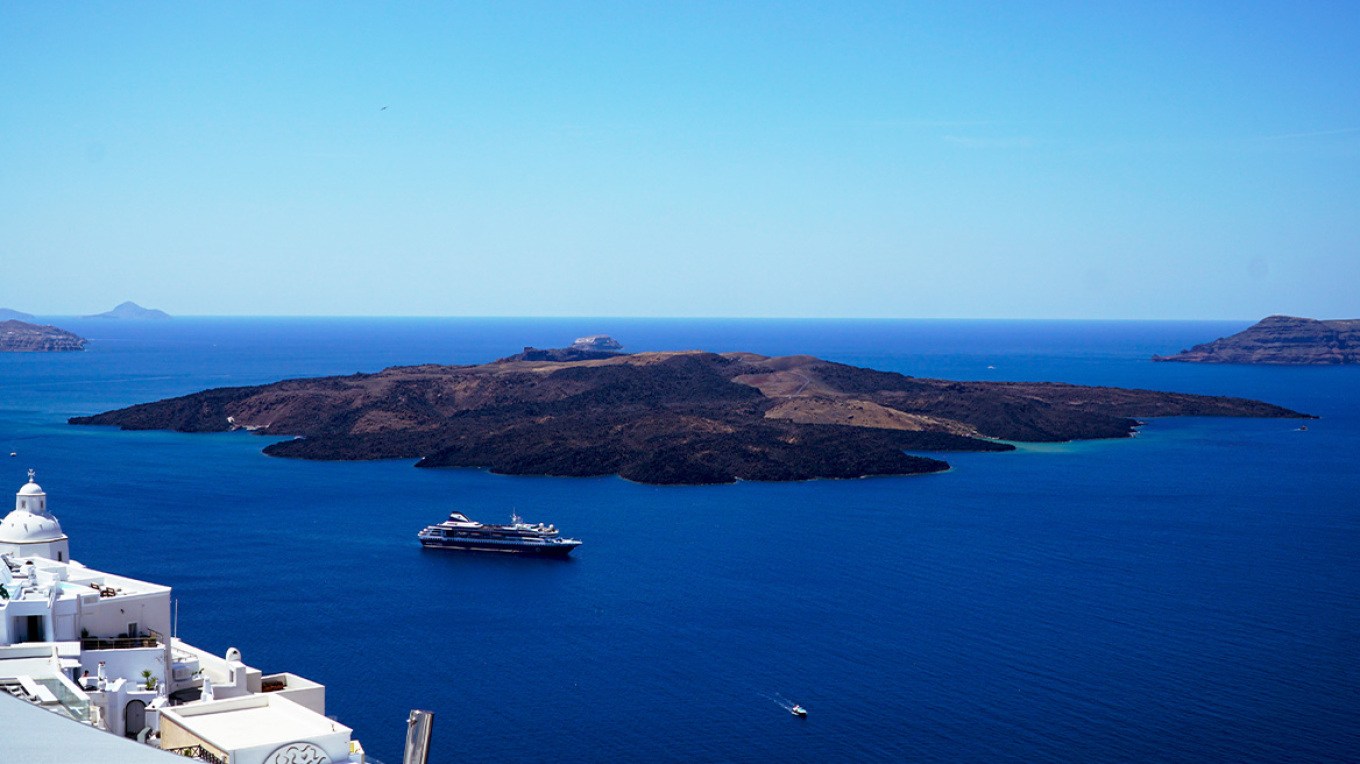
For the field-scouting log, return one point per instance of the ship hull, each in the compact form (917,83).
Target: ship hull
(482,545)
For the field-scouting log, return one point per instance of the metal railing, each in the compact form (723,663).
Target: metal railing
(117,643)
(198,752)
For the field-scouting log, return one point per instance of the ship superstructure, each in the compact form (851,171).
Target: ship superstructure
(458,532)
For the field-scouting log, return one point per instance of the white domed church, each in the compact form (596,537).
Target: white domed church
(30,530)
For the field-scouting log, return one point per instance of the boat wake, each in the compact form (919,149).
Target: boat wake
(785,704)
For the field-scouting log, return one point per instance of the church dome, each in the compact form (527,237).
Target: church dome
(30,522)
(20,527)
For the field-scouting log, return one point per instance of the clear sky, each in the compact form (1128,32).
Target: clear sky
(840,159)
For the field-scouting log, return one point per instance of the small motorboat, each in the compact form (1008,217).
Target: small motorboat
(798,711)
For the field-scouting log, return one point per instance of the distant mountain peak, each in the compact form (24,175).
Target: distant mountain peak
(9,314)
(131,309)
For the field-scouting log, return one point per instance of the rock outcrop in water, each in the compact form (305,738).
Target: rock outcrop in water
(680,417)
(23,337)
(1282,340)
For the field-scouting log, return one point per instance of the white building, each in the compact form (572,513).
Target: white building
(30,530)
(98,648)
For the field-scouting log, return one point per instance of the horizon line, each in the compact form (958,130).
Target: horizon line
(90,317)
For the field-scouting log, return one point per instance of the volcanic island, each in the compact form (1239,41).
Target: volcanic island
(689,417)
(1281,340)
(22,337)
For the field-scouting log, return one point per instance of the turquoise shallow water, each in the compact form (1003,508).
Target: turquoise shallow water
(1192,594)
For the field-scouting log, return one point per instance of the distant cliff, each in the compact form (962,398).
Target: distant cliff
(675,417)
(598,342)
(1282,340)
(7,314)
(132,310)
(23,337)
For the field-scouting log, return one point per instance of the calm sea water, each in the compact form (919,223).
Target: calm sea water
(1189,595)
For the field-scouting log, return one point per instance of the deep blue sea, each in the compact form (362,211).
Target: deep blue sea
(1188,595)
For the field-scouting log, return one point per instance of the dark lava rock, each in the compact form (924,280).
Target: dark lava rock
(559,355)
(690,417)
(583,349)
(1283,340)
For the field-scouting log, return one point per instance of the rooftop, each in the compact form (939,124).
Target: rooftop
(253,721)
(75,578)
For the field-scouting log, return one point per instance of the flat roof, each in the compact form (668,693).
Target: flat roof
(232,724)
(37,667)
(76,578)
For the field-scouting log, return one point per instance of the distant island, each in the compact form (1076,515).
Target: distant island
(583,349)
(131,310)
(8,314)
(23,337)
(1281,340)
(669,417)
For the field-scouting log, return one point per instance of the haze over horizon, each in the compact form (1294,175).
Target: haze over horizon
(1051,160)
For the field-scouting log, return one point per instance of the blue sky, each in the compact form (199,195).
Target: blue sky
(952,160)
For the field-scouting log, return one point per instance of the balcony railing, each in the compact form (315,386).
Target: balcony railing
(198,752)
(117,643)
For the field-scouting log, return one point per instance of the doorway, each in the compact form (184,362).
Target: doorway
(134,718)
(28,628)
